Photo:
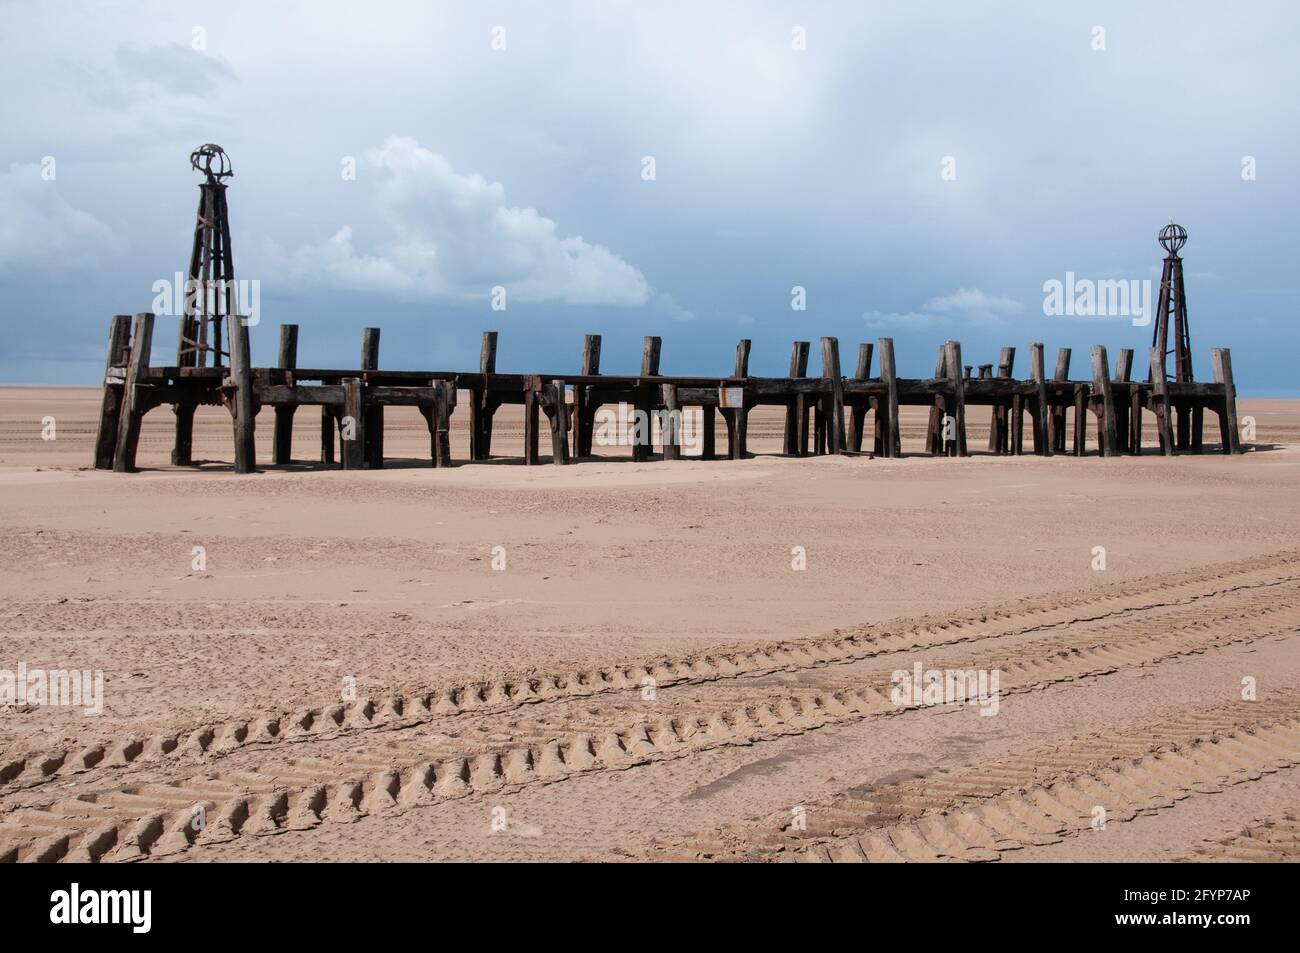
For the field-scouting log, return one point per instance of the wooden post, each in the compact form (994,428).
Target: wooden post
(282,448)
(1221,358)
(532,421)
(1160,403)
(482,406)
(584,413)
(1107,435)
(835,412)
(442,424)
(795,443)
(128,425)
(374,446)
(242,405)
(352,427)
(1058,413)
(737,418)
(672,422)
(739,445)
(559,421)
(651,347)
(119,348)
(858,417)
(891,440)
(183,409)
(999,435)
(1135,422)
(1080,419)
(953,359)
(1124,365)
(1124,415)
(1042,446)
(650,350)
(183,448)
(934,426)
(328,421)
(742,357)
(708,436)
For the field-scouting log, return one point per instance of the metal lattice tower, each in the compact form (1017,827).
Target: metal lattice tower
(210,300)
(1173,305)
(210,293)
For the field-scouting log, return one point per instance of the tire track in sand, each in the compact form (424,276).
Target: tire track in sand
(157,818)
(1040,797)
(402,709)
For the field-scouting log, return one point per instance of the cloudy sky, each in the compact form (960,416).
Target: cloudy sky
(920,169)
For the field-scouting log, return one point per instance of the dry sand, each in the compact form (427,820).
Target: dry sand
(519,699)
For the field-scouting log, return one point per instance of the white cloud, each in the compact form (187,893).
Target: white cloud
(39,228)
(968,306)
(453,235)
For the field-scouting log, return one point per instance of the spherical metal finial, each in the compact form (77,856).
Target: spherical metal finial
(1172,238)
(212,161)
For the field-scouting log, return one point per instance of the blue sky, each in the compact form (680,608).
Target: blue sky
(826,165)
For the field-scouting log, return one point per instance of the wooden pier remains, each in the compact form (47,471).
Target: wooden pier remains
(352,401)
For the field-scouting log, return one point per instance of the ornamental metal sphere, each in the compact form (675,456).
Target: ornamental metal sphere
(1172,237)
(212,161)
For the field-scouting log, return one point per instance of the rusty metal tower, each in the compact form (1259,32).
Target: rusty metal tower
(210,289)
(1173,306)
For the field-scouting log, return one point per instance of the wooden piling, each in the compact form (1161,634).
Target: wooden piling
(352,426)
(708,433)
(1042,446)
(282,447)
(183,410)
(110,409)
(999,433)
(651,347)
(558,418)
(835,410)
(1058,413)
(1124,412)
(934,424)
(858,417)
(328,423)
(670,431)
(481,406)
(1160,403)
(1229,435)
(1107,434)
(132,410)
(442,424)
(742,357)
(374,446)
(242,405)
(532,422)
(953,359)
(796,412)
(1080,419)
(737,418)
(584,414)
(890,438)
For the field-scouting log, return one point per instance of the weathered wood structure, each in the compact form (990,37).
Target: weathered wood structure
(352,401)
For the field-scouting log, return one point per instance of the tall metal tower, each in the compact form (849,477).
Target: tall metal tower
(210,291)
(1173,304)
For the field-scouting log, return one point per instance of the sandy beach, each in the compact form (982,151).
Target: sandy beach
(658,660)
